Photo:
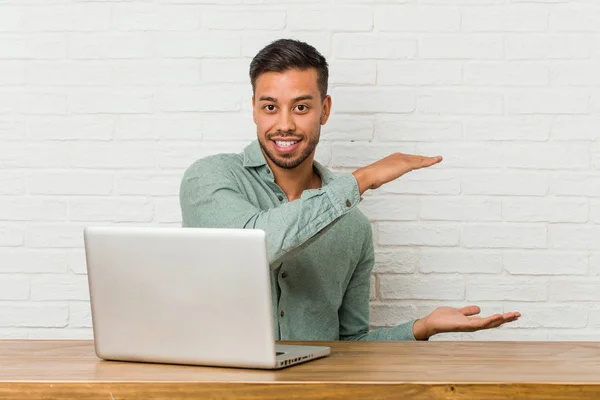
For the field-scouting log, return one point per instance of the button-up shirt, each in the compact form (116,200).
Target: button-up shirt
(319,247)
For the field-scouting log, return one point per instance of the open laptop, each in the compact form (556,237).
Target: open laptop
(185,296)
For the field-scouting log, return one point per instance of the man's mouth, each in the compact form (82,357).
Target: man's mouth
(285,146)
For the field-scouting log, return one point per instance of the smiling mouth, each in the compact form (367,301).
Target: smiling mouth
(285,146)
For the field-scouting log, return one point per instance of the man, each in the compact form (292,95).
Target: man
(320,246)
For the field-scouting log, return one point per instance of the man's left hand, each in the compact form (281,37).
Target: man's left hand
(449,319)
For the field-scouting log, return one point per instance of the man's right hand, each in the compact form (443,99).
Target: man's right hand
(390,168)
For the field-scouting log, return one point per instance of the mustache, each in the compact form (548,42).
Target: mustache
(283,134)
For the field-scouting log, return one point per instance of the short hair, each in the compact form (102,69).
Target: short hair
(286,54)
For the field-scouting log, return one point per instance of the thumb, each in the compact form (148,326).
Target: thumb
(470,310)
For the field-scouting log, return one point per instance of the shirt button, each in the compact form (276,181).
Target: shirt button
(268,171)
(281,313)
(280,198)
(284,275)
(348,203)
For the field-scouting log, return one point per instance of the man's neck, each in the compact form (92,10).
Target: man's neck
(295,181)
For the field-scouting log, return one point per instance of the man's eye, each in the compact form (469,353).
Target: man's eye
(270,107)
(302,107)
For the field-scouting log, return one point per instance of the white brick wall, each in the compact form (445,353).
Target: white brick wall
(104,104)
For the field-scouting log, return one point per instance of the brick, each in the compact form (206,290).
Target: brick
(19,314)
(461,47)
(576,127)
(460,102)
(167,210)
(181,156)
(505,183)
(573,237)
(513,18)
(338,18)
(67,73)
(420,129)
(150,17)
(574,289)
(397,261)
(33,46)
(113,155)
(464,155)
(452,261)
(80,315)
(149,73)
(57,235)
(110,45)
(595,264)
(32,209)
(14,287)
(419,73)
(361,154)
(546,155)
(197,45)
(566,335)
(419,234)
(12,72)
(153,127)
(147,183)
(460,209)
(348,127)
(34,155)
(373,288)
(574,19)
(523,236)
(67,18)
(534,46)
(218,127)
(372,100)
(96,127)
(12,129)
(111,209)
(408,18)
(595,211)
(506,74)
(544,316)
(548,102)
(225,70)
(507,289)
(11,235)
(70,183)
(11,183)
(373,46)
(427,181)
(244,19)
(11,18)
(385,208)
(28,261)
(61,333)
(76,261)
(33,103)
(422,287)
(113,102)
(352,72)
(207,98)
(543,262)
(575,184)
(522,128)
(575,73)
(59,287)
(558,209)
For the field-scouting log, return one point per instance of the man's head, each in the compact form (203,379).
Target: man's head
(290,101)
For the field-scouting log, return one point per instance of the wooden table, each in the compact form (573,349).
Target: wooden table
(355,370)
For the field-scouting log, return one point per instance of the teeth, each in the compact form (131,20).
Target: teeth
(285,144)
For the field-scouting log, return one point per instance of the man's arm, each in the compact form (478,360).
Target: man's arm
(354,312)
(210,197)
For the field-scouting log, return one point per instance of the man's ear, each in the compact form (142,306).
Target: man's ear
(326,110)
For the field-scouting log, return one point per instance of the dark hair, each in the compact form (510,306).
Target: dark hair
(285,54)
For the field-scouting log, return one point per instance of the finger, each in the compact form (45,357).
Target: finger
(429,161)
(488,322)
(470,310)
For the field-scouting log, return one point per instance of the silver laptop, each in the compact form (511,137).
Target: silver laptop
(185,296)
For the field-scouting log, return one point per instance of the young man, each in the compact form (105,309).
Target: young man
(320,246)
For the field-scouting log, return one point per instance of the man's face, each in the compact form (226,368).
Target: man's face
(288,113)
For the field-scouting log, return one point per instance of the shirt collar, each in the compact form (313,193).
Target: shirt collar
(254,157)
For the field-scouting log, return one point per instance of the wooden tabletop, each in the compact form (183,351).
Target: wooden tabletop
(354,370)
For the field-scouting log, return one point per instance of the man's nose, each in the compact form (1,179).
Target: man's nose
(286,122)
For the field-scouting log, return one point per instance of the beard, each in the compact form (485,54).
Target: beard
(288,161)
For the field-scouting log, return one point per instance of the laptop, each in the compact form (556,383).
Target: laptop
(191,296)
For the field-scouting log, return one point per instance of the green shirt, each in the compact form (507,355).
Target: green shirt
(320,246)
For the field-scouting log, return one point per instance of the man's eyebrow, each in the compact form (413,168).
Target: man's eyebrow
(274,100)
